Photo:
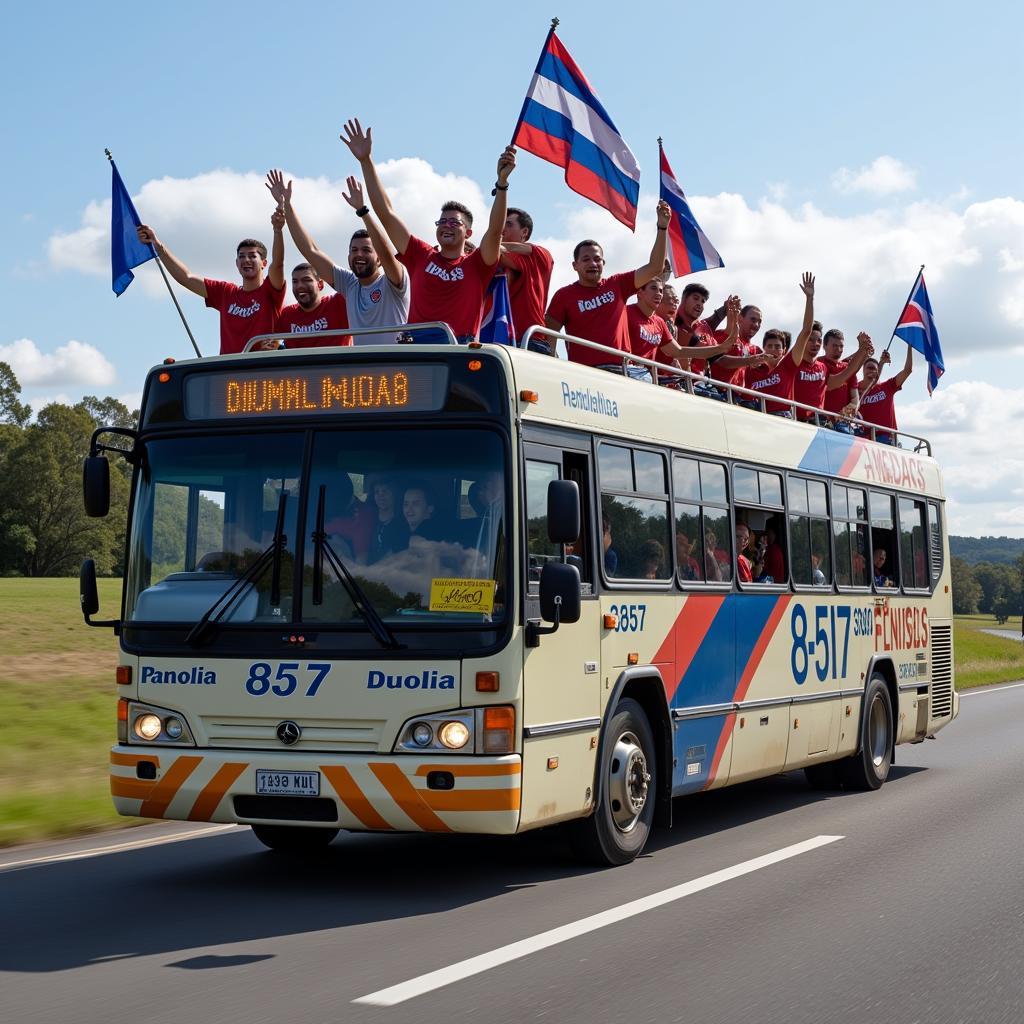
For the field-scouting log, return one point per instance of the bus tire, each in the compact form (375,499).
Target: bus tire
(869,767)
(294,839)
(618,829)
(823,776)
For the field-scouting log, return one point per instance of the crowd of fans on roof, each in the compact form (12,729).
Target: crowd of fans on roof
(394,278)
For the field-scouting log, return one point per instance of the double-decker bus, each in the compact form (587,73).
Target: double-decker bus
(450,588)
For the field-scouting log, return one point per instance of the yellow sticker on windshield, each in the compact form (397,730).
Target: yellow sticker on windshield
(455,595)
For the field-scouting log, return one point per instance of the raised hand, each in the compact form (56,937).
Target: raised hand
(354,196)
(864,342)
(275,183)
(146,235)
(886,358)
(277,218)
(506,164)
(807,285)
(360,143)
(664,214)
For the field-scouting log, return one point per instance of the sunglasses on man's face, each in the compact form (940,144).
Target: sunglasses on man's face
(448,222)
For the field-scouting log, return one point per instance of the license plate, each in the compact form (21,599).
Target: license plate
(287,783)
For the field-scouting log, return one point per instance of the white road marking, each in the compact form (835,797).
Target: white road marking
(515,950)
(99,851)
(988,689)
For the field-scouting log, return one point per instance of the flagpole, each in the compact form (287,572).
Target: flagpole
(913,288)
(522,113)
(163,274)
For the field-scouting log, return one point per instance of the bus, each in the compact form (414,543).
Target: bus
(450,588)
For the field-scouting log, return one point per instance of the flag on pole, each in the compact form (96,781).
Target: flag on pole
(126,251)
(563,122)
(688,247)
(497,326)
(917,328)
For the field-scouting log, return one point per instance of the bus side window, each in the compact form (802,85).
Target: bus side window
(538,547)
(913,554)
(885,565)
(809,533)
(935,535)
(759,506)
(703,537)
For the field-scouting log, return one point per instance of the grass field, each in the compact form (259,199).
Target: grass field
(57,704)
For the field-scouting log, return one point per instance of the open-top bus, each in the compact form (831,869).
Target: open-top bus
(474,589)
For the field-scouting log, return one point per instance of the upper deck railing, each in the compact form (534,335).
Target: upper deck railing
(686,381)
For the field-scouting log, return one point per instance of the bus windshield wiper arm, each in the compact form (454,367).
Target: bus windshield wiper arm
(271,556)
(321,546)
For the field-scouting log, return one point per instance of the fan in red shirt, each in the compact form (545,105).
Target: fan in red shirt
(448,284)
(529,270)
(778,375)
(692,328)
(594,308)
(649,335)
(816,379)
(246,310)
(313,312)
(730,353)
(877,398)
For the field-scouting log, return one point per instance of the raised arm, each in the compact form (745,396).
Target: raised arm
(393,270)
(691,351)
(174,266)
(282,194)
(864,349)
(908,368)
(656,264)
(490,244)
(275,272)
(360,145)
(800,346)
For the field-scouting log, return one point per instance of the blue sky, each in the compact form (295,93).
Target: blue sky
(771,116)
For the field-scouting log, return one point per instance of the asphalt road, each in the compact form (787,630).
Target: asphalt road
(916,914)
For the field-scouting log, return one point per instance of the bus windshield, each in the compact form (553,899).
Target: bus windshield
(418,519)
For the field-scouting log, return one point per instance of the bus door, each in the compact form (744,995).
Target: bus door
(562,676)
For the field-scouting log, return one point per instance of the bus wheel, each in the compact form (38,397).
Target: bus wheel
(618,829)
(869,768)
(293,838)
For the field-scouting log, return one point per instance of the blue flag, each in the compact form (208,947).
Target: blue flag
(497,326)
(917,328)
(126,251)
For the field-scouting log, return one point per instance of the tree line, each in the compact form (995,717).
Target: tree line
(44,530)
(990,588)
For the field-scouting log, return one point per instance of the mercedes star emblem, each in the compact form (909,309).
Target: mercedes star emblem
(289,733)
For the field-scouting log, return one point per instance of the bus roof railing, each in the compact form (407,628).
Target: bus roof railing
(732,393)
(343,332)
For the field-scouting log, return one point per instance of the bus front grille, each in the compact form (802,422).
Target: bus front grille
(942,671)
(329,734)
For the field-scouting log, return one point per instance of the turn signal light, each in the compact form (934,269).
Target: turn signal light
(488,682)
(164,377)
(499,730)
(528,396)
(611,622)
(122,720)
(632,658)
(475,364)
(123,675)
(169,361)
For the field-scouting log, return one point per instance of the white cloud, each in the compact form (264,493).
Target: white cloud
(73,365)
(883,176)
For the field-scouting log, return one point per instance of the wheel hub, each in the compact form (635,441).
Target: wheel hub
(628,781)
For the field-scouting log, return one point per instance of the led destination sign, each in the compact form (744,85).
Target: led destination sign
(314,391)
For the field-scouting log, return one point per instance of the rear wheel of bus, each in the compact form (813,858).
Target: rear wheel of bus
(294,838)
(869,768)
(618,829)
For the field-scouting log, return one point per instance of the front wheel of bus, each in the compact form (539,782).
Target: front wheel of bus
(293,838)
(869,768)
(618,829)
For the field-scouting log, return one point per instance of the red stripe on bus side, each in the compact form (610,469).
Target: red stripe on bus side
(685,637)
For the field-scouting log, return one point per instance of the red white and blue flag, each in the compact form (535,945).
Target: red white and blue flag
(917,328)
(689,250)
(563,121)
(496,326)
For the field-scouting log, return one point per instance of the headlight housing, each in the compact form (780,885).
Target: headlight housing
(489,730)
(152,726)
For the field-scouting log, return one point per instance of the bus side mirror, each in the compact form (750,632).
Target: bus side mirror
(559,600)
(89,598)
(563,512)
(96,488)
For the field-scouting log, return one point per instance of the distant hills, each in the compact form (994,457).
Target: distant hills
(1001,550)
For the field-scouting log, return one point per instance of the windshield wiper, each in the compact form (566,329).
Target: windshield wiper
(271,556)
(363,605)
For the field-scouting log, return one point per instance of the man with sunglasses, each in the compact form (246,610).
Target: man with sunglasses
(448,284)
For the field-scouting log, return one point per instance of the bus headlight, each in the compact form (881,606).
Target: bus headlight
(422,734)
(173,728)
(148,727)
(453,735)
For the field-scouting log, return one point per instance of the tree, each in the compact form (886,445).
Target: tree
(44,530)
(966,591)
(108,412)
(11,409)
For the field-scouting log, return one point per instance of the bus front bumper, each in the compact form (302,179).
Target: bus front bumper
(359,793)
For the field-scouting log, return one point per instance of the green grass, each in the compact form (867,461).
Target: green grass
(57,701)
(981,659)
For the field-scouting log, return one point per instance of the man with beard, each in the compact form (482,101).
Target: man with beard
(376,286)
(246,310)
(817,379)
(448,284)
(312,312)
